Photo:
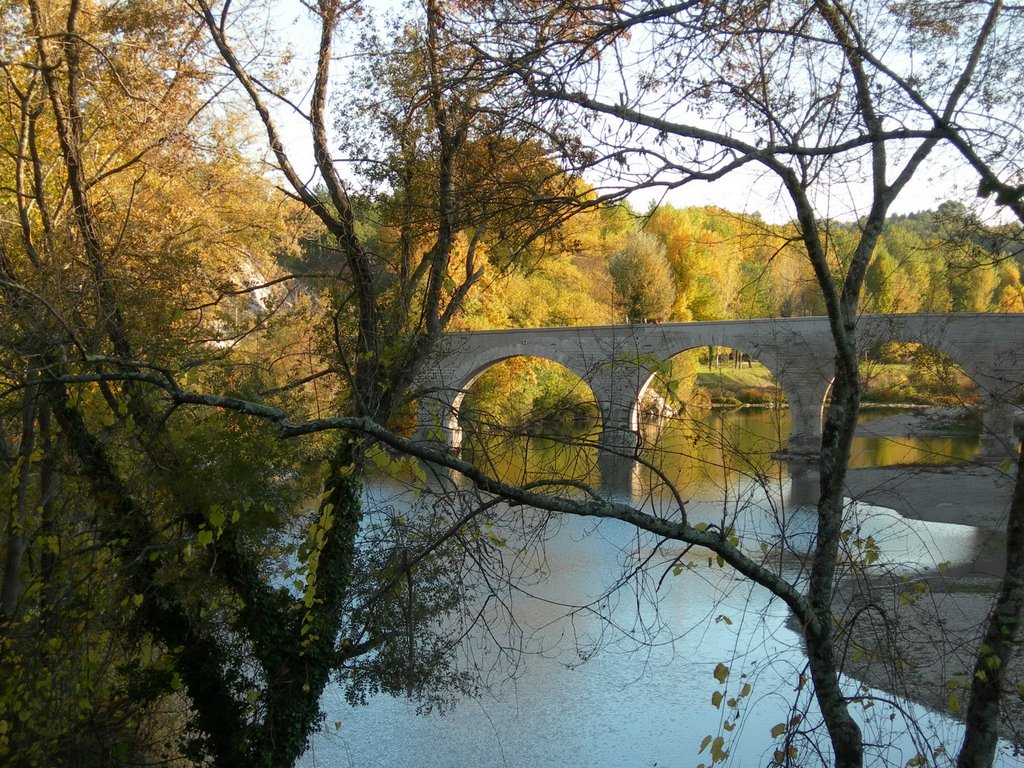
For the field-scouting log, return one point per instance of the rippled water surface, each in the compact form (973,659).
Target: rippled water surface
(630,681)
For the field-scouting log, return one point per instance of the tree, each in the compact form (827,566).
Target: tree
(642,279)
(985,146)
(145,340)
(146,407)
(125,219)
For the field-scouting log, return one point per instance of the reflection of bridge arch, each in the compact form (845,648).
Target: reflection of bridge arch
(616,362)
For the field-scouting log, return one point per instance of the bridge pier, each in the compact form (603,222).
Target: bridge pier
(616,386)
(617,449)
(620,475)
(803,444)
(805,389)
(437,419)
(998,443)
(804,487)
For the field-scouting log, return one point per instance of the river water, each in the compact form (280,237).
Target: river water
(630,679)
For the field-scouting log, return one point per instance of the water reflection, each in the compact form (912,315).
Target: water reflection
(624,676)
(706,451)
(626,681)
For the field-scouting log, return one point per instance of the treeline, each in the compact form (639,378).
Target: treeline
(713,264)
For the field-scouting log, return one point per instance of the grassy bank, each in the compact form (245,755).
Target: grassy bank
(751,384)
(884,384)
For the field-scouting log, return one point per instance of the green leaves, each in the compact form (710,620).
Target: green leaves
(954,703)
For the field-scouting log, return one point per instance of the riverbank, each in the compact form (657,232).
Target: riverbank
(918,637)
(975,495)
(964,494)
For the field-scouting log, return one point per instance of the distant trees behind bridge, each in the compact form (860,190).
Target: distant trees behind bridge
(725,265)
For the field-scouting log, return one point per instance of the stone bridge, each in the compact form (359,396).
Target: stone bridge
(618,363)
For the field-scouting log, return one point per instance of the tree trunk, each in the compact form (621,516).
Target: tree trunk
(17,538)
(997,645)
(845,734)
(836,439)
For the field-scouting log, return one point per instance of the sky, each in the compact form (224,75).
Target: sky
(747,191)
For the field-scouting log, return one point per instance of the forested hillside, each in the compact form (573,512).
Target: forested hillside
(724,265)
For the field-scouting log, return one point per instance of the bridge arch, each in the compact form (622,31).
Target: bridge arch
(970,352)
(453,399)
(750,354)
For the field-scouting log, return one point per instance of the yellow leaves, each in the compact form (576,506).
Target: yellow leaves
(50,543)
(915,593)
(780,728)
(718,751)
(721,674)
(217,519)
(379,457)
(954,703)
(990,659)
(317,539)
(779,756)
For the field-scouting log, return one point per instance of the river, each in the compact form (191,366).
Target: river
(630,680)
